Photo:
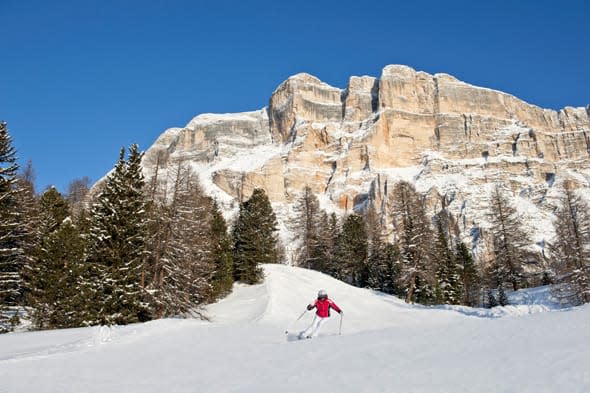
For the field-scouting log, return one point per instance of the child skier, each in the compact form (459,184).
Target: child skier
(322,306)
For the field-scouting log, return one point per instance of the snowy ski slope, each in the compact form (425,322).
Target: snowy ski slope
(386,346)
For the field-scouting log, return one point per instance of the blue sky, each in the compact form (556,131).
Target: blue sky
(80,79)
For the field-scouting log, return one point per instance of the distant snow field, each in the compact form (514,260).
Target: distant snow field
(385,346)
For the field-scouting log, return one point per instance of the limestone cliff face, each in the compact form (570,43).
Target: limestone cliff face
(454,141)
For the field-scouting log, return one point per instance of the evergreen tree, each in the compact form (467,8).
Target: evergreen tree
(323,252)
(468,274)
(56,294)
(509,241)
(384,268)
(12,233)
(29,210)
(222,254)
(572,247)
(307,227)
(449,283)
(351,252)
(54,209)
(417,277)
(254,238)
(383,258)
(116,244)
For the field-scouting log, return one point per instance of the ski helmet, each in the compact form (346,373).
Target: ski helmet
(322,294)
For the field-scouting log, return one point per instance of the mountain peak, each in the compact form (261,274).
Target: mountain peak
(452,140)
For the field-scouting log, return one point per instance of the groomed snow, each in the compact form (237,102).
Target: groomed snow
(386,346)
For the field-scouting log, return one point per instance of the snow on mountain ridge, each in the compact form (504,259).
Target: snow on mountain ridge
(454,141)
(207,118)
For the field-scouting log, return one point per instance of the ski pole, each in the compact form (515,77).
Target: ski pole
(340,328)
(292,323)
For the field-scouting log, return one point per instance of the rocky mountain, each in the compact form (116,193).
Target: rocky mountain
(453,140)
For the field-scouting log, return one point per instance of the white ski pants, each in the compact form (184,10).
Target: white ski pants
(314,329)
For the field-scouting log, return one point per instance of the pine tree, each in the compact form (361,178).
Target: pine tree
(383,257)
(323,251)
(509,241)
(12,233)
(55,294)
(468,274)
(254,238)
(222,280)
(572,247)
(384,269)
(307,227)
(418,278)
(54,209)
(30,210)
(351,252)
(449,283)
(116,243)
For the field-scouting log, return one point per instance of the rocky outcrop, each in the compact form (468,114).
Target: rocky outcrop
(302,98)
(453,140)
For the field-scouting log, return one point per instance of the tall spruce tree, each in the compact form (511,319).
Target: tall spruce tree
(351,252)
(30,210)
(412,227)
(223,279)
(307,227)
(571,248)
(12,233)
(468,273)
(384,269)
(254,238)
(450,287)
(116,243)
(509,241)
(55,292)
(323,259)
(383,258)
(54,209)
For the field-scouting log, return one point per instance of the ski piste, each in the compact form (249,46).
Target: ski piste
(386,345)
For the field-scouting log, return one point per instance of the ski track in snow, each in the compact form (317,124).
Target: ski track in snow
(386,346)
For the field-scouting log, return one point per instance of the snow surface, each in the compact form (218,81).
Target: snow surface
(208,118)
(386,346)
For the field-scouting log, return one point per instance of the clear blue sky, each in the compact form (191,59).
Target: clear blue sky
(80,79)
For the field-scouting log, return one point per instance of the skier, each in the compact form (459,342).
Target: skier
(322,306)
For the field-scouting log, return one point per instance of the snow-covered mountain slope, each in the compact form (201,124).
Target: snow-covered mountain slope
(454,141)
(386,346)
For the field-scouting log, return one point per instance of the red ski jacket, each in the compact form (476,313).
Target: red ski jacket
(323,307)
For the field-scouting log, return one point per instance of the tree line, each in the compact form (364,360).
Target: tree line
(131,250)
(126,252)
(420,256)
